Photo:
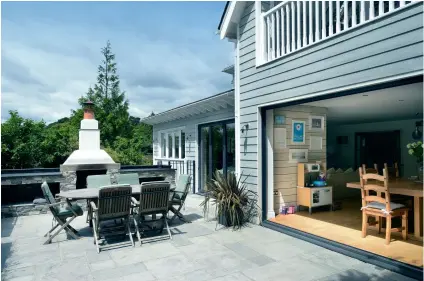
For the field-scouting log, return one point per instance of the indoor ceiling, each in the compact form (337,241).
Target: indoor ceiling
(397,103)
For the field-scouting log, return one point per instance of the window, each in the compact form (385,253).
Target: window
(177,145)
(170,155)
(172,144)
(182,145)
(163,144)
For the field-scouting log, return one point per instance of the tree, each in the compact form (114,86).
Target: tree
(21,142)
(110,104)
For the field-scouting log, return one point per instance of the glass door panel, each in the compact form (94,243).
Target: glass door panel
(204,158)
(217,148)
(231,148)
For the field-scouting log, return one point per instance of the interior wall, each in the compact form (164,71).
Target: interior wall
(343,156)
(285,173)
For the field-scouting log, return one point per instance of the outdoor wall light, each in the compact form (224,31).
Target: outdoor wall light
(417,134)
(244,128)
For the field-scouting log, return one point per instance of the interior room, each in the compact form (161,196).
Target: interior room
(341,134)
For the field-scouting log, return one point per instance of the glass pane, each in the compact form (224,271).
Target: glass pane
(204,157)
(177,146)
(170,145)
(231,148)
(182,145)
(163,144)
(217,146)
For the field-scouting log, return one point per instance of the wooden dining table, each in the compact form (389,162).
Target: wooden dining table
(408,188)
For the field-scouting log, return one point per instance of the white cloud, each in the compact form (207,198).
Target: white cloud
(47,66)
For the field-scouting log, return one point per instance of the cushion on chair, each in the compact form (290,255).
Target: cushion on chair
(97,181)
(381,206)
(130,178)
(64,211)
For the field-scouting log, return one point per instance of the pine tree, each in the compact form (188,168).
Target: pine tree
(110,104)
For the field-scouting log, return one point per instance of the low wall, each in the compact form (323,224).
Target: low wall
(21,187)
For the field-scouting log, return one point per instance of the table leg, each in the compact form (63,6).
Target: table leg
(417,217)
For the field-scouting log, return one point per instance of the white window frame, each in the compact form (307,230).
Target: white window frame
(173,132)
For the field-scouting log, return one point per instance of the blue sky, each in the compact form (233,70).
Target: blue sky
(167,54)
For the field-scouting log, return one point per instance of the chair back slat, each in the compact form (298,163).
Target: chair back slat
(114,201)
(97,181)
(131,178)
(154,197)
(380,184)
(49,197)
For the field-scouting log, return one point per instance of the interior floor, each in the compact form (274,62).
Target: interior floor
(344,226)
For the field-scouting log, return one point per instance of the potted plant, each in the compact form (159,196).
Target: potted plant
(235,203)
(416,149)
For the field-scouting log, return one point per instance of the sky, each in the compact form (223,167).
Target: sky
(167,54)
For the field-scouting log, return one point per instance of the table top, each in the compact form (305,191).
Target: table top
(92,193)
(399,186)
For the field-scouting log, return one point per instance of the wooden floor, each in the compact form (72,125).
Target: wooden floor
(344,226)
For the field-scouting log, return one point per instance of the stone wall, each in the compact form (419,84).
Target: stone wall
(68,182)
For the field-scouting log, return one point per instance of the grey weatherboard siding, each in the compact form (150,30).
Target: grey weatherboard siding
(386,47)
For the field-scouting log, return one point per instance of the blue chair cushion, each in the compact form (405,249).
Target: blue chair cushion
(65,212)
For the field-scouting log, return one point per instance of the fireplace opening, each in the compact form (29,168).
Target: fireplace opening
(83,174)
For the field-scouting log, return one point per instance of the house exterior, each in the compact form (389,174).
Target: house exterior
(339,70)
(181,136)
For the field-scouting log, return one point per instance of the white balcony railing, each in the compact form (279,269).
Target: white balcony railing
(294,25)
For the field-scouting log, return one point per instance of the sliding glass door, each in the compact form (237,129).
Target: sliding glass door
(216,150)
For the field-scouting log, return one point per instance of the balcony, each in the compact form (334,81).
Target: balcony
(294,25)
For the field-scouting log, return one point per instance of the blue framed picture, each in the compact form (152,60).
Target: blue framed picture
(279,120)
(298,132)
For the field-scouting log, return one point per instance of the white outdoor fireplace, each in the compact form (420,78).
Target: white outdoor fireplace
(89,158)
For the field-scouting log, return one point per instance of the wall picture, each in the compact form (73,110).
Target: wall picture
(298,155)
(280,138)
(316,123)
(279,120)
(298,132)
(316,143)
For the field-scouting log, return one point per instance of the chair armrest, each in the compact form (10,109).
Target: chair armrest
(55,204)
(93,206)
(70,207)
(134,201)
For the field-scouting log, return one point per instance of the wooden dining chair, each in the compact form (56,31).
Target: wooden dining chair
(375,205)
(393,172)
(373,170)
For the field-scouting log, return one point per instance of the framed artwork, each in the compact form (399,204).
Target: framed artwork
(279,120)
(316,123)
(298,132)
(316,143)
(280,138)
(298,155)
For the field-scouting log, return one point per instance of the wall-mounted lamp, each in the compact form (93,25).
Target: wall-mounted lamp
(417,134)
(244,128)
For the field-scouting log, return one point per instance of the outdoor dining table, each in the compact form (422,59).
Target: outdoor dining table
(93,194)
(408,188)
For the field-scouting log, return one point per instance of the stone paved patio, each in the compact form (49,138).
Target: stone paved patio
(197,252)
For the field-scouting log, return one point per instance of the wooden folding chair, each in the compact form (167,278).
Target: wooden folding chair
(95,181)
(178,197)
(153,200)
(380,207)
(61,211)
(114,203)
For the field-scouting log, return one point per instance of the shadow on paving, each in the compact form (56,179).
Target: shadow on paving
(7,226)
(355,275)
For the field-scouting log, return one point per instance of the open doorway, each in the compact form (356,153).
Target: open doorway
(378,148)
